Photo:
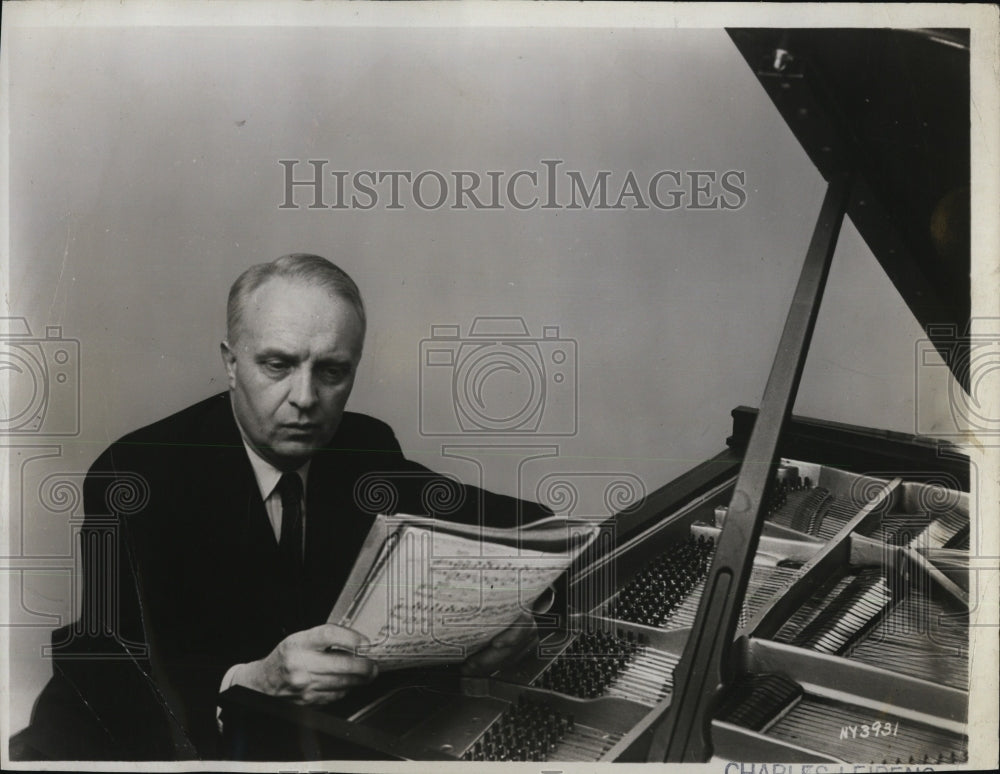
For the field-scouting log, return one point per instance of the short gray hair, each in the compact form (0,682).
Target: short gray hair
(311,269)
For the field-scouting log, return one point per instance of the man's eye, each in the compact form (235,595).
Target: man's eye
(334,373)
(275,366)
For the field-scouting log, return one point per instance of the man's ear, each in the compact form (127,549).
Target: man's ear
(229,361)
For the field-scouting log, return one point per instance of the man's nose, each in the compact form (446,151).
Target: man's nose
(303,390)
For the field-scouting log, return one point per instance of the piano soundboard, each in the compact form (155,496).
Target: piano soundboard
(854,644)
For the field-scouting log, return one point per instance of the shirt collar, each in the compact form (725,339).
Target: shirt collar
(266,474)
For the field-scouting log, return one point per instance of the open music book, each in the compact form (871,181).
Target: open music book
(427,591)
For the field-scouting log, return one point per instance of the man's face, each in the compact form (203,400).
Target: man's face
(291,368)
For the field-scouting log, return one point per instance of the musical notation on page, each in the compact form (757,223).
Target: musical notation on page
(423,591)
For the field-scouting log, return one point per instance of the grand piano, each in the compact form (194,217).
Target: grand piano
(804,594)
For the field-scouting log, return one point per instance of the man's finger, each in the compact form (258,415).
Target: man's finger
(523,628)
(338,682)
(487,659)
(338,663)
(319,697)
(481,663)
(333,637)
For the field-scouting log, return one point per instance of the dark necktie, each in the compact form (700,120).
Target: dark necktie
(290,544)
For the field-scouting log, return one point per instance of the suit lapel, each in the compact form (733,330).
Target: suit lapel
(239,512)
(335,529)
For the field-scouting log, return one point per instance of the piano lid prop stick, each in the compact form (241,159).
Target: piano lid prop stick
(705,669)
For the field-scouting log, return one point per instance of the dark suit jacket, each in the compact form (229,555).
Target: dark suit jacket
(181,578)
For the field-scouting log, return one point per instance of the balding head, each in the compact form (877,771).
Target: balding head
(308,269)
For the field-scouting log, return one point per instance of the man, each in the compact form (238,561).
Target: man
(240,518)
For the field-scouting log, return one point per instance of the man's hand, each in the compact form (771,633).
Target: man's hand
(509,642)
(315,666)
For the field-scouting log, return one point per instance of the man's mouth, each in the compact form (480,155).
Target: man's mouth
(304,427)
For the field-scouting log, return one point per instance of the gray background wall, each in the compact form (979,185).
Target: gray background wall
(144,178)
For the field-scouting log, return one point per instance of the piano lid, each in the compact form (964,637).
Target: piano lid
(893,105)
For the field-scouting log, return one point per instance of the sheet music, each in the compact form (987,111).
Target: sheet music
(440,597)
